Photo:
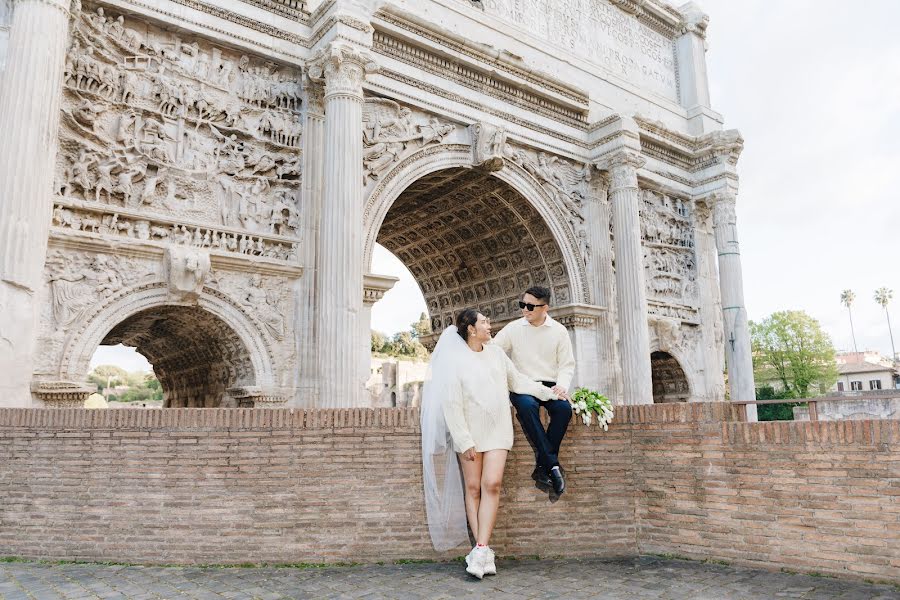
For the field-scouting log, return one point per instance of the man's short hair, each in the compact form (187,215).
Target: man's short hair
(539,292)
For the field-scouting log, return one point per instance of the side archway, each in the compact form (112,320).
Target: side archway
(198,351)
(670,383)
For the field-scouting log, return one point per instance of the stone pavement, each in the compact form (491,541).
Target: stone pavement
(632,579)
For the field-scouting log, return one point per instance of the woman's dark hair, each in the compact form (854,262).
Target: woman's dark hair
(466,317)
(541,293)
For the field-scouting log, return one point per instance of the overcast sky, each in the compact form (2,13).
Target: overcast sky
(814,87)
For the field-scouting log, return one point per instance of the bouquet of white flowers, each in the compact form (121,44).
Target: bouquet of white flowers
(586,403)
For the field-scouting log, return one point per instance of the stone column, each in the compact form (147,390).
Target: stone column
(598,264)
(374,289)
(631,295)
(340,258)
(29,119)
(711,336)
(731,285)
(306,307)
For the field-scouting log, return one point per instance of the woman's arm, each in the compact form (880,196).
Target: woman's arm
(455,417)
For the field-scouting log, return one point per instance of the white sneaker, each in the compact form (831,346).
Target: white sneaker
(475,562)
(489,567)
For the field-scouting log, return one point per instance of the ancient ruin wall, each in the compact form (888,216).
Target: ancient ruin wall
(287,486)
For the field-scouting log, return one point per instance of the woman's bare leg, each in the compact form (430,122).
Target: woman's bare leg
(472,479)
(493,463)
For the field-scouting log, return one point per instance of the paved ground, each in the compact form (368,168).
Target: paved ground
(631,579)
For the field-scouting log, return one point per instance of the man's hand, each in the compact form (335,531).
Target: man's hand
(561,392)
(469,454)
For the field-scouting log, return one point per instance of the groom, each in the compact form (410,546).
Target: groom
(540,349)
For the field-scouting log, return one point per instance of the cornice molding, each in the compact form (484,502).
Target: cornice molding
(291,9)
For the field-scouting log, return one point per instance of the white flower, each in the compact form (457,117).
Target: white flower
(605,427)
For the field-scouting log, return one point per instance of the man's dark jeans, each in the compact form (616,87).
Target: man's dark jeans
(545,443)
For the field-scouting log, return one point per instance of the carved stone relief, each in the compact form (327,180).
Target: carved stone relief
(564,180)
(179,130)
(488,146)
(667,233)
(392,131)
(81,281)
(187,269)
(265,299)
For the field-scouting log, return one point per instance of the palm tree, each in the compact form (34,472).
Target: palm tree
(847,298)
(882,297)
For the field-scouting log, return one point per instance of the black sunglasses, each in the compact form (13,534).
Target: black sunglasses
(530,307)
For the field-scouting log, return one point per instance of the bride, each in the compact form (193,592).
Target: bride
(466,413)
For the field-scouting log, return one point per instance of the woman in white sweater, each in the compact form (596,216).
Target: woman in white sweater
(469,387)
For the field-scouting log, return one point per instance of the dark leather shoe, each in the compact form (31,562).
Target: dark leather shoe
(559,483)
(540,475)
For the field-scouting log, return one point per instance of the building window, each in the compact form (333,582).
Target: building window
(856,386)
(840,386)
(874,384)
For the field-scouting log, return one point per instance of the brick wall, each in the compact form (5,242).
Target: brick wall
(285,486)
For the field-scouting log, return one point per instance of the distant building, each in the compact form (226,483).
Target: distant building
(863,372)
(395,382)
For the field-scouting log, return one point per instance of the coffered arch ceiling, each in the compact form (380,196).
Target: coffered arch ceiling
(195,355)
(471,240)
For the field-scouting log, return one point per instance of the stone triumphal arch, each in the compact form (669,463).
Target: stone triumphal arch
(206,181)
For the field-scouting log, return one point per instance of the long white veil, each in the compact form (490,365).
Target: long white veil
(444,503)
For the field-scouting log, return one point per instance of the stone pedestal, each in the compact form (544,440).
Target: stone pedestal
(339,264)
(29,118)
(631,294)
(731,284)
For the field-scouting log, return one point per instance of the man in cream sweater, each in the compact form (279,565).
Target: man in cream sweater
(540,349)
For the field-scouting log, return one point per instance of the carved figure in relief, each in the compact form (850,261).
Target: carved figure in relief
(86,114)
(388,130)
(79,174)
(266,304)
(488,145)
(104,180)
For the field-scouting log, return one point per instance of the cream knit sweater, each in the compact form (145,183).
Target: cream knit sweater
(478,410)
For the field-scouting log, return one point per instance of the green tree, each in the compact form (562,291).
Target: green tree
(152,383)
(847,298)
(107,375)
(775,412)
(422,327)
(790,347)
(378,341)
(883,297)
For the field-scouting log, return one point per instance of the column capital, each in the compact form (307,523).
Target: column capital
(725,146)
(376,286)
(693,20)
(622,166)
(343,68)
(62,394)
(66,6)
(315,94)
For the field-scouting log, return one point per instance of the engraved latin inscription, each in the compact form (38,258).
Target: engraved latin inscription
(601,33)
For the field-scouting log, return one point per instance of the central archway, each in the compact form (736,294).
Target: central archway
(471,240)
(195,355)
(441,188)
